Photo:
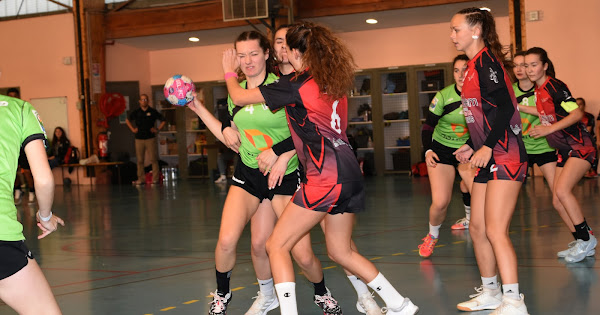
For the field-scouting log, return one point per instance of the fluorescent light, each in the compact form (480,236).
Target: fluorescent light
(371,21)
(486,8)
(194,39)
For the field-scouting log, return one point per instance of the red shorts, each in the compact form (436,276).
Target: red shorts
(339,198)
(510,171)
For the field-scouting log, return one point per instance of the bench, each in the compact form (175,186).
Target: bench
(94,165)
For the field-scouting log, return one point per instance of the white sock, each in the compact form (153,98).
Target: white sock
(434,230)
(360,287)
(286,292)
(266,287)
(468,212)
(386,291)
(490,283)
(511,291)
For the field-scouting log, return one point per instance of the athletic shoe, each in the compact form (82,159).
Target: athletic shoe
(484,299)
(218,306)
(581,249)
(328,304)
(564,253)
(461,224)
(138,182)
(426,249)
(407,308)
(263,304)
(31,197)
(366,304)
(511,307)
(221,180)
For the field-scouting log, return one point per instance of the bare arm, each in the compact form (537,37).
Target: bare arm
(44,185)
(531,110)
(133,129)
(239,95)
(211,122)
(542,131)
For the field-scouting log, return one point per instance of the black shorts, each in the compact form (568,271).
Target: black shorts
(542,158)
(256,184)
(444,153)
(13,257)
(513,171)
(340,198)
(589,154)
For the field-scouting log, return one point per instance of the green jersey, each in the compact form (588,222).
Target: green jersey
(532,145)
(451,130)
(19,125)
(260,128)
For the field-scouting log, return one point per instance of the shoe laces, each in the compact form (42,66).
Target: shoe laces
(479,292)
(385,309)
(462,221)
(367,302)
(328,301)
(260,303)
(217,305)
(428,242)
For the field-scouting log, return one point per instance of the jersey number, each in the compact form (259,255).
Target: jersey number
(336,121)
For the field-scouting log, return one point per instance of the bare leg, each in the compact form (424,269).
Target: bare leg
(28,292)
(573,171)
(441,179)
(484,253)
(261,226)
(551,172)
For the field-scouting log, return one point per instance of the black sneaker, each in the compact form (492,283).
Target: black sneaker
(218,306)
(328,304)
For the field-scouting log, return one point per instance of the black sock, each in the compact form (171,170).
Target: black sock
(223,282)
(466,199)
(574,235)
(582,231)
(320,288)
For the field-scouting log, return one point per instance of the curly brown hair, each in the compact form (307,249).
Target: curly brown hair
(330,62)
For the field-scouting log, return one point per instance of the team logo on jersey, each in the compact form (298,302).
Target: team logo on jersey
(515,129)
(527,123)
(4,103)
(494,75)
(493,168)
(39,119)
(258,139)
(469,102)
(459,129)
(433,104)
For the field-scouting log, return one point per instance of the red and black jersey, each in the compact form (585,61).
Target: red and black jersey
(554,102)
(318,128)
(490,109)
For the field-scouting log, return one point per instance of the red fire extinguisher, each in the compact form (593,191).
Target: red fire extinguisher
(103,145)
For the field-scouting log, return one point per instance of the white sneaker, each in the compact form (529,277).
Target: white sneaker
(366,304)
(564,253)
(484,299)
(222,179)
(31,197)
(263,304)
(407,308)
(511,306)
(581,249)
(18,197)
(218,306)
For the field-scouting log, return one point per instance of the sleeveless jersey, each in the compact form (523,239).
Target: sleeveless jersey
(451,130)
(532,145)
(260,129)
(19,125)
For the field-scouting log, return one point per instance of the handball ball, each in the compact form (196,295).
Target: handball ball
(179,89)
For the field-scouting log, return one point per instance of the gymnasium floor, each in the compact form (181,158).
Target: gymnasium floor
(128,250)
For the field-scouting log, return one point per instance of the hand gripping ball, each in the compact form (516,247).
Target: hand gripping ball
(178,90)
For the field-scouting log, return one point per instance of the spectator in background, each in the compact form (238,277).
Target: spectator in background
(145,131)
(58,148)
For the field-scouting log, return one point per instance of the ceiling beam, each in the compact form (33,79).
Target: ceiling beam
(122,5)
(61,4)
(208,15)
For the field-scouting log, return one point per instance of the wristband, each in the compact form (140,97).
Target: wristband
(230,75)
(45,219)
(427,152)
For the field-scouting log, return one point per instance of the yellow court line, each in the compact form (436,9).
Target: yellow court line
(396,254)
(441,245)
(375,258)
(190,302)
(527,229)
(458,242)
(330,267)
(238,288)
(415,250)
(255,283)
(167,308)
(543,226)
